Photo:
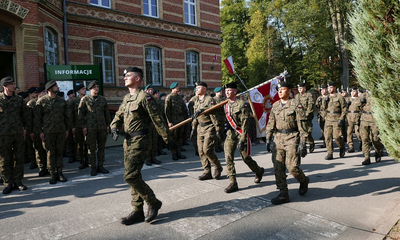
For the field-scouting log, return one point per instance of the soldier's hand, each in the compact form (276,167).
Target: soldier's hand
(340,123)
(172,145)
(268,145)
(42,137)
(114,133)
(302,149)
(241,145)
(219,137)
(84,132)
(363,100)
(196,114)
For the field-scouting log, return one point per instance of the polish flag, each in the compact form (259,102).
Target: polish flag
(215,58)
(229,64)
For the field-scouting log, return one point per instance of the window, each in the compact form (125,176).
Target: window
(103,53)
(51,41)
(150,8)
(101,3)
(6,37)
(192,68)
(153,66)
(190,12)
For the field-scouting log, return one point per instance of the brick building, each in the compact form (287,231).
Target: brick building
(171,40)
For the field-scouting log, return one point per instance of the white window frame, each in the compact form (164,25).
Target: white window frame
(154,62)
(190,67)
(103,62)
(100,4)
(51,46)
(149,9)
(188,19)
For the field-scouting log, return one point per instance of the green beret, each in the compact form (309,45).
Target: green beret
(162,95)
(173,85)
(148,86)
(217,89)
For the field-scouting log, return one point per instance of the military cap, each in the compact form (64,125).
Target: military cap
(6,80)
(354,88)
(23,94)
(133,69)
(217,89)
(200,84)
(50,84)
(331,84)
(155,91)
(324,86)
(32,90)
(79,86)
(231,85)
(301,84)
(70,92)
(148,86)
(39,89)
(162,95)
(173,85)
(60,94)
(284,84)
(92,84)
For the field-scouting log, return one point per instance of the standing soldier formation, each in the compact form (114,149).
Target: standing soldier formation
(306,104)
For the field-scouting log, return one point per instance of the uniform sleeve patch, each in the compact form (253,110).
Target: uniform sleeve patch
(148,98)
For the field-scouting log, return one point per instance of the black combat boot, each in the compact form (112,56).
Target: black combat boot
(259,175)
(152,211)
(217,173)
(174,156)
(304,186)
(8,189)
(102,170)
(33,165)
(93,172)
(42,172)
(232,187)
(155,161)
(342,152)
(281,198)
(180,155)
(312,147)
(161,152)
(351,150)
(60,176)
(366,161)
(133,217)
(148,162)
(20,186)
(205,176)
(53,178)
(378,156)
(329,156)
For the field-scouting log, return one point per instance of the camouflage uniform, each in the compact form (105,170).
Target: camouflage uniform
(40,152)
(52,119)
(206,125)
(306,102)
(176,112)
(79,139)
(29,142)
(285,125)
(240,113)
(70,147)
(191,112)
(219,113)
(136,114)
(14,118)
(320,105)
(353,119)
(95,117)
(369,130)
(336,110)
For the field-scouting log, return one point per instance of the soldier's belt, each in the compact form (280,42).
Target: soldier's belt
(204,124)
(333,112)
(354,111)
(366,112)
(138,133)
(285,131)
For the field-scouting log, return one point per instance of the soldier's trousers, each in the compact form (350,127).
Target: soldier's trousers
(12,148)
(321,122)
(353,127)
(286,157)
(135,153)
(54,144)
(231,141)
(30,149)
(81,148)
(176,135)
(368,129)
(96,138)
(307,125)
(40,152)
(333,131)
(206,142)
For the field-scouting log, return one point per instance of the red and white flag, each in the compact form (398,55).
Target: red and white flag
(229,65)
(215,58)
(262,97)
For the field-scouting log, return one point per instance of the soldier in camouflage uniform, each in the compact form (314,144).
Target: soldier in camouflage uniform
(15,123)
(285,124)
(336,109)
(95,118)
(52,121)
(207,132)
(219,97)
(70,146)
(353,118)
(153,136)
(29,141)
(77,127)
(175,112)
(369,131)
(137,112)
(193,133)
(307,106)
(322,111)
(237,113)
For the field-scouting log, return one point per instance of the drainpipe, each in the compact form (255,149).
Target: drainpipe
(65,33)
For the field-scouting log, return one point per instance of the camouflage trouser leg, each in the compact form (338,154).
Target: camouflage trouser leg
(333,131)
(12,158)
(307,125)
(176,135)
(41,156)
(286,158)
(366,130)
(350,129)
(134,157)
(54,145)
(96,140)
(81,148)
(206,142)
(31,149)
(321,122)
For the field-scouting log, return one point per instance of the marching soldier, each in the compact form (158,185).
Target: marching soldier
(336,110)
(70,146)
(15,123)
(353,118)
(285,124)
(207,131)
(175,112)
(219,113)
(95,118)
(29,141)
(237,113)
(322,111)
(153,136)
(136,113)
(193,133)
(307,106)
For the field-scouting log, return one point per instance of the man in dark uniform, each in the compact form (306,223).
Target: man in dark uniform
(137,112)
(219,97)
(153,136)
(95,118)
(306,101)
(237,113)
(15,123)
(176,112)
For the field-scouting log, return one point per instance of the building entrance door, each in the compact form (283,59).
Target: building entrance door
(7,64)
